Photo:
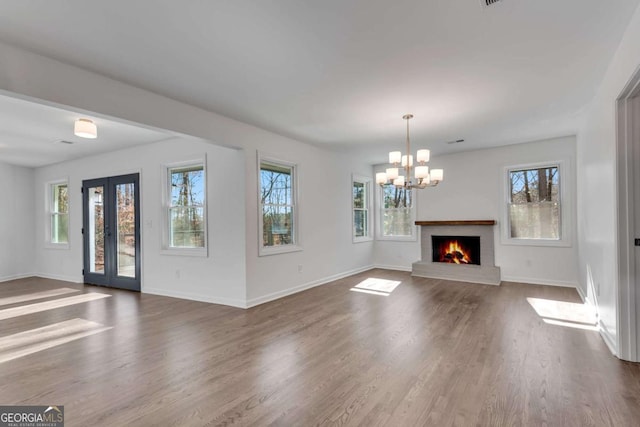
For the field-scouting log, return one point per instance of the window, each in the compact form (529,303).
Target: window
(361,206)
(278,210)
(534,203)
(186,207)
(396,214)
(58,213)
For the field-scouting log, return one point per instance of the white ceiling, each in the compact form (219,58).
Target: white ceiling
(30,134)
(344,72)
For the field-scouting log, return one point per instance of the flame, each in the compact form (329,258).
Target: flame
(453,249)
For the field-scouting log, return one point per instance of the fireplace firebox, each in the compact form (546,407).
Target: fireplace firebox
(456,249)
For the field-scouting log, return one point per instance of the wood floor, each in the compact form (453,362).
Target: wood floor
(429,353)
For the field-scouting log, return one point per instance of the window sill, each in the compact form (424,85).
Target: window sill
(397,238)
(362,239)
(57,246)
(563,243)
(187,252)
(276,250)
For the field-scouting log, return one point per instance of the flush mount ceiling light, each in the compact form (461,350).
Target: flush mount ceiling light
(85,128)
(423,177)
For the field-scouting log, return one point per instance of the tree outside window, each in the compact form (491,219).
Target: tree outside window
(397,212)
(187,207)
(534,203)
(361,207)
(360,228)
(277,204)
(59,213)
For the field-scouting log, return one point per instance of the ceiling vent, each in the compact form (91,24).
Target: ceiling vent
(62,141)
(487,3)
(457,141)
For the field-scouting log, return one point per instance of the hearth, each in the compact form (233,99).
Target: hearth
(453,250)
(456,249)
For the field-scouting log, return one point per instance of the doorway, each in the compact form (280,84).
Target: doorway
(634,105)
(111,231)
(628,183)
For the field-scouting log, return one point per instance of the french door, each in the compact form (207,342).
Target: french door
(111,231)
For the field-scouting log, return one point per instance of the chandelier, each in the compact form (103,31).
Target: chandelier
(423,177)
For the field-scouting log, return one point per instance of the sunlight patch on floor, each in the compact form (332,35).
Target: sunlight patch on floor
(584,326)
(9,313)
(376,286)
(563,313)
(35,340)
(36,295)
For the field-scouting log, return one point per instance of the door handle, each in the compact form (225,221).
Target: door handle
(637,242)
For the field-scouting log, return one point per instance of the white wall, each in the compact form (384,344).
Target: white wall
(16,222)
(596,160)
(220,277)
(325,228)
(473,188)
(324,176)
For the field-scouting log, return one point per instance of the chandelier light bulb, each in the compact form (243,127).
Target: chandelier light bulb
(423,156)
(422,172)
(437,174)
(394,157)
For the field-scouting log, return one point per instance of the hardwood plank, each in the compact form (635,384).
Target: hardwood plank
(36,296)
(431,352)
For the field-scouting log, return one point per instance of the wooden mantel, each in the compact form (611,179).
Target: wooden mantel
(459,222)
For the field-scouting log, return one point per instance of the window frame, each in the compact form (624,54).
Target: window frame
(380,217)
(295,246)
(367,181)
(564,207)
(167,249)
(49,201)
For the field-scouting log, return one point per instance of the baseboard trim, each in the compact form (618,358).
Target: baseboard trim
(72,279)
(16,277)
(233,302)
(602,329)
(607,338)
(583,297)
(392,267)
(280,294)
(532,281)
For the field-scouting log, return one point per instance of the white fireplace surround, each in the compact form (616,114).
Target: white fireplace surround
(486,273)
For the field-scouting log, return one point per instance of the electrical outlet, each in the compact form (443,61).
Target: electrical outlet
(299,268)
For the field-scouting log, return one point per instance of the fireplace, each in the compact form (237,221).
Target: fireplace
(456,249)
(453,250)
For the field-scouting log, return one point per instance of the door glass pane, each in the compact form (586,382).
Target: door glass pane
(96,230)
(126,229)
